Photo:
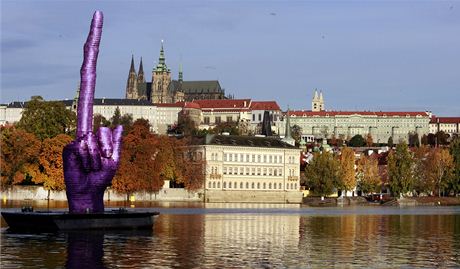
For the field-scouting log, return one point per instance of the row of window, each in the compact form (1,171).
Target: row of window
(217,119)
(252,171)
(253,185)
(235,157)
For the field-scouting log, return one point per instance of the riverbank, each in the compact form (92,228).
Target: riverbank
(359,200)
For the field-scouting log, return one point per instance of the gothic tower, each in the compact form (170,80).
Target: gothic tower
(140,75)
(317,103)
(131,85)
(161,78)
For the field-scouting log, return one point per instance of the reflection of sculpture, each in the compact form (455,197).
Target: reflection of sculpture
(91,160)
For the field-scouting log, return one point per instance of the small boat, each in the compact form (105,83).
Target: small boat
(29,220)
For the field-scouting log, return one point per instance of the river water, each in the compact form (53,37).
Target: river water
(195,235)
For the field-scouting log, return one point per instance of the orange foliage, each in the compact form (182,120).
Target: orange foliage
(18,150)
(50,161)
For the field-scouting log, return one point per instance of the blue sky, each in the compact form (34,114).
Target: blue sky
(364,55)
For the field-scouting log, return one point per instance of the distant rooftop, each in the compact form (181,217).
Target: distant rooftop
(242,141)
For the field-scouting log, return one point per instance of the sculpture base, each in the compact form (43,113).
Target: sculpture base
(57,221)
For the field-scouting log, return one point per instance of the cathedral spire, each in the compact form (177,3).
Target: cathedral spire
(315,97)
(161,66)
(131,69)
(321,96)
(181,75)
(140,75)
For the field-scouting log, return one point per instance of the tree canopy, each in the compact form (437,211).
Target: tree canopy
(357,141)
(400,170)
(323,174)
(46,119)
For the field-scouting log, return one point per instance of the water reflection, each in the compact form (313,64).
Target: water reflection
(254,237)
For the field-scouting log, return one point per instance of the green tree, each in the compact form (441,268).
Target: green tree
(454,183)
(99,121)
(296,132)
(357,141)
(369,140)
(414,140)
(116,118)
(46,119)
(347,169)
(400,170)
(390,142)
(323,174)
(422,184)
(19,150)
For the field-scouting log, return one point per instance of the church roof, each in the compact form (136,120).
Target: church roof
(201,86)
(243,141)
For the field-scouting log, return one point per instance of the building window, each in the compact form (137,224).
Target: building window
(270,159)
(258,171)
(274,186)
(265,158)
(241,185)
(218,185)
(270,186)
(247,158)
(225,170)
(209,185)
(206,120)
(253,171)
(247,185)
(229,119)
(225,157)
(253,158)
(270,171)
(265,171)
(214,184)
(260,117)
(265,186)
(259,158)
(247,171)
(280,186)
(230,185)
(275,172)
(241,170)
(252,185)
(218,120)
(224,185)
(253,117)
(258,185)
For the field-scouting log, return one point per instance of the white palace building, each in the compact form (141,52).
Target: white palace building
(251,169)
(322,123)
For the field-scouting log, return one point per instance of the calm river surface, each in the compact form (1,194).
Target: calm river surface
(189,235)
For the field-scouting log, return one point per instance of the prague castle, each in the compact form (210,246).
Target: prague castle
(163,89)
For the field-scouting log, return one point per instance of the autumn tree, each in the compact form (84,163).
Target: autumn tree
(19,149)
(440,169)
(369,140)
(136,170)
(347,169)
(422,183)
(46,119)
(400,170)
(323,173)
(454,183)
(50,162)
(357,141)
(190,164)
(368,174)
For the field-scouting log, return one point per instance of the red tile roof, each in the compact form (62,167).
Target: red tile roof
(224,103)
(264,105)
(309,113)
(445,120)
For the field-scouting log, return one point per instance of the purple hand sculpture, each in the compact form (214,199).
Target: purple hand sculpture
(90,161)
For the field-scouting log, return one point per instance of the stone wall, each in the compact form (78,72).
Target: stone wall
(234,196)
(39,193)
